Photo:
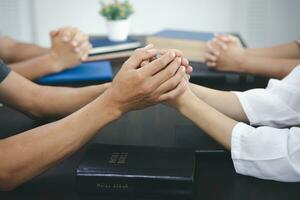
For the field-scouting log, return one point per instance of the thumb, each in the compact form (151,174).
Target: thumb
(139,56)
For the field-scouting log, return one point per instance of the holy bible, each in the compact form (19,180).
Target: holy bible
(133,171)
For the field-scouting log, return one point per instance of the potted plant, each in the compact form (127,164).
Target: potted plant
(117,15)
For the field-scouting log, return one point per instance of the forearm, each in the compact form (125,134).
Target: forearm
(215,124)
(44,101)
(12,51)
(36,67)
(291,51)
(51,143)
(25,51)
(56,102)
(267,66)
(223,101)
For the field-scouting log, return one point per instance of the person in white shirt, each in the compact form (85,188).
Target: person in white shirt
(268,148)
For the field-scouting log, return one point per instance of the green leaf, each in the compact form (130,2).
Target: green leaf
(116,10)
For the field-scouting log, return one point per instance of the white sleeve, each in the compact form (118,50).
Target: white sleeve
(266,153)
(277,105)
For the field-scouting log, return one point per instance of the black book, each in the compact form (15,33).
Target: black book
(132,171)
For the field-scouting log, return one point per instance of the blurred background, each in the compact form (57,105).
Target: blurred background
(260,22)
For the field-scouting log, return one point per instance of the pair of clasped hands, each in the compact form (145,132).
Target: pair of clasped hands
(146,79)
(69,47)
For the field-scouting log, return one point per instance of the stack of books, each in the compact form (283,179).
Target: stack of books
(193,44)
(104,49)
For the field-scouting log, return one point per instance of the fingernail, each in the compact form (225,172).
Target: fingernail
(173,54)
(65,39)
(77,49)
(179,60)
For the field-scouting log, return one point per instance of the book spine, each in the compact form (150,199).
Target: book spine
(128,186)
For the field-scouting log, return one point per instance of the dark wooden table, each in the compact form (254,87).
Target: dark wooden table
(154,126)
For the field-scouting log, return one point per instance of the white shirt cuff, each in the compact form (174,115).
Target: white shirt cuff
(240,165)
(251,115)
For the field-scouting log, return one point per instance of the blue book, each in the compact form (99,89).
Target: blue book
(185,35)
(84,73)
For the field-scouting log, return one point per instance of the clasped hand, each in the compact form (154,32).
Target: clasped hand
(225,53)
(69,47)
(145,80)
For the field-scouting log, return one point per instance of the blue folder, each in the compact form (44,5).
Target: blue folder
(84,73)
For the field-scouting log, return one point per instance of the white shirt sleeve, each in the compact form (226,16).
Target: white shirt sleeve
(266,153)
(278,105)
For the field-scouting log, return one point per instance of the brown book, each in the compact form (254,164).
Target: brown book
(193,44)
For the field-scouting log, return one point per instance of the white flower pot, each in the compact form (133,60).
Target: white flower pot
(118,30)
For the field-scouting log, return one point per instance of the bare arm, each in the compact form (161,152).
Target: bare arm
(215,124)
(223,101)
(12,51)
(247,144)
(44,101)
(32,152)
(289,51)
(25,155)
(268,66)
(37,67)
(227,54)
(69,48)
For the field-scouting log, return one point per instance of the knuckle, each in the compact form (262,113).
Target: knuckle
(161,62)
(138,51)
(174,83)
(138,76)
(169,72)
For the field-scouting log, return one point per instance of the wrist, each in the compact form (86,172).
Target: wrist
(241,62)
(184,100)
(115,109)
(56,65)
